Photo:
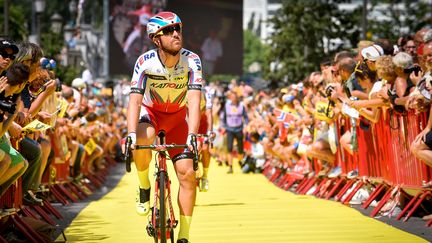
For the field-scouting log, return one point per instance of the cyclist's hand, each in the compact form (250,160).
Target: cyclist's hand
(132,135)
(192,141)
(211,135)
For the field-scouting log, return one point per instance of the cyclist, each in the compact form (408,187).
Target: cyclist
(206,127)
(164,80)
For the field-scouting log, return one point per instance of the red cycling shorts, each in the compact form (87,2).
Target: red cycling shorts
(203,127)
(174,124)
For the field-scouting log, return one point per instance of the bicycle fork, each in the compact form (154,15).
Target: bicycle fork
(155,223)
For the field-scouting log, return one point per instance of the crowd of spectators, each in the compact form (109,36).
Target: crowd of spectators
(312,119)
(45,122)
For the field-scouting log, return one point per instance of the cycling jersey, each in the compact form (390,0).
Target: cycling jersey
(164,88)
(206,100)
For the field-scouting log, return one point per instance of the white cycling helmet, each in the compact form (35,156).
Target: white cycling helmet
(160,21)
(78,83)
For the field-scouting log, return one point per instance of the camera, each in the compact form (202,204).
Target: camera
(413,68)
(7,106)
(329,91)
(58,85)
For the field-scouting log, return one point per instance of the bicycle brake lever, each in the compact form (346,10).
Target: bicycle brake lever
(127,155)
(195,152)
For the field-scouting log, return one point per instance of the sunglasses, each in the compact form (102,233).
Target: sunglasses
(6,55)
(170,30)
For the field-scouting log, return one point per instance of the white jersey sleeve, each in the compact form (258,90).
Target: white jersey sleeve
(195,72)
(138,82)
(209,100)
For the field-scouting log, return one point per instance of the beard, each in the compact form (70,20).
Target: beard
(171,51)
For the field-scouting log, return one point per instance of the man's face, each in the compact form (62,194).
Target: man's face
(6,57)
(411,48)
(427,56)
(171,39)
(336,77)
(371,65)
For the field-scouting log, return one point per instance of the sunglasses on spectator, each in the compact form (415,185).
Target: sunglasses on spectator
(170,30)
(410,47)
(6,55)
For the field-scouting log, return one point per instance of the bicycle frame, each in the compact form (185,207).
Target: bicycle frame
(161,168)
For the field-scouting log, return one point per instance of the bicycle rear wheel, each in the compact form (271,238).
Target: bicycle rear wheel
(162,209)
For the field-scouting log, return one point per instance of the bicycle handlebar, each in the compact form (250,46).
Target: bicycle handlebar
(161,147)
(158,147)
(210,140)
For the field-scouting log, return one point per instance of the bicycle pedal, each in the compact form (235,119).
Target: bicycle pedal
(150,230)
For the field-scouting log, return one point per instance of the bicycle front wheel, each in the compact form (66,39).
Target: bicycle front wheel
(162,209)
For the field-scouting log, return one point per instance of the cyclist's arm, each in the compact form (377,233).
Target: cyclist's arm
(209,111)
(194,97)
(194,93)
(133,111)
(136,97)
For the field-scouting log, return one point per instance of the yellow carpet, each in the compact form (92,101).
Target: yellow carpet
(238,208)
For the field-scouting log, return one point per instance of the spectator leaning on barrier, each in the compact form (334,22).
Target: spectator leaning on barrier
(421,147)
(10,87)
(29,54)
(404,66)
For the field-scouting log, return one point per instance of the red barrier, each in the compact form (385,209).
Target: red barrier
(383,160)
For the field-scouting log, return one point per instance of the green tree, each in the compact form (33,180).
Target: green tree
(17,21)
(302,37)
(397,18)
(254,50)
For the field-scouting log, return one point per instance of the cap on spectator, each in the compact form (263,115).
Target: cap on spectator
(403,60)
(78,83)
(4,44)
(284,90)
(372,52)
(288,98)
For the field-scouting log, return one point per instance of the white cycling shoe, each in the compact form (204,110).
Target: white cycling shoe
(142,202)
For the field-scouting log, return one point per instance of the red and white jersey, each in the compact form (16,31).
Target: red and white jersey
(164,88)
(206,100)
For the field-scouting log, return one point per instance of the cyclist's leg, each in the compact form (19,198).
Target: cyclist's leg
(145,136)
(183,166)
(205,153)
(186,195)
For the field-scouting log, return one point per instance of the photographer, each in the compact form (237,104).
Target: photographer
(30,54)
(10,87)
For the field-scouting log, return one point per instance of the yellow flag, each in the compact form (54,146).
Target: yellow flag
(63,104)
(90,146)
(323,111)
(35,126)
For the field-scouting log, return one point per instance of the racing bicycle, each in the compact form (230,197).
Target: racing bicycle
(162,222)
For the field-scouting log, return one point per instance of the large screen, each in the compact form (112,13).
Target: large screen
(211,28)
